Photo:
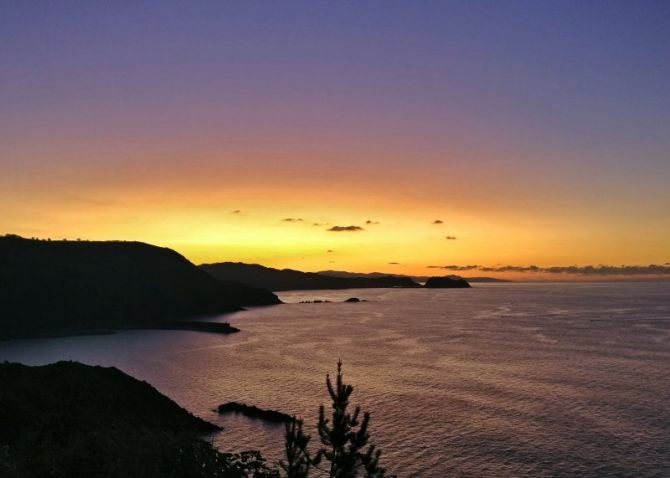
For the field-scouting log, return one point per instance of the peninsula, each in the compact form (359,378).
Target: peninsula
(76,287)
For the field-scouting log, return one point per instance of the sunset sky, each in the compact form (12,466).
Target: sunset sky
(451,133)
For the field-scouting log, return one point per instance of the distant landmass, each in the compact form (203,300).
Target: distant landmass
(346,274)
(289,279)
(351,275)
(53,287)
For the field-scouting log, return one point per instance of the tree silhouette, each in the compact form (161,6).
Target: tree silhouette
(344,438)
(297,462)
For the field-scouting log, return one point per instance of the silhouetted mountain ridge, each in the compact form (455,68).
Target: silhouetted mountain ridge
(289,279)
(345,274)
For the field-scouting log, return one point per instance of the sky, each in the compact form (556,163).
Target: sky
(501,135)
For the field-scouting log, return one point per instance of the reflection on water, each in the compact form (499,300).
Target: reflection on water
(502,380)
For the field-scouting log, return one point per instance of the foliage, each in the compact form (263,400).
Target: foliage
(7,465)
(297,462)
(344,438)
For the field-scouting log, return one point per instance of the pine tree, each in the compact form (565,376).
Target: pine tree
(297,462)
(344,438)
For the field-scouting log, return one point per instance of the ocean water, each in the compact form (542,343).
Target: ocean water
(501,380)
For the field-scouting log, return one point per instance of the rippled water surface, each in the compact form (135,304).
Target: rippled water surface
(504,380)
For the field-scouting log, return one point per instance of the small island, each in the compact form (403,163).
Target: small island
(447,282)
(252,411)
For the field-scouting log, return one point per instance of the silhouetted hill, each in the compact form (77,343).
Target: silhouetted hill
(446,282)
(61,286)
(288,279)
(36,395)
(69,420)
(352,275)
(332,273)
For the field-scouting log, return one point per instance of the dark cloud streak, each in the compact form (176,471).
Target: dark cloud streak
(589,270)
(345,228)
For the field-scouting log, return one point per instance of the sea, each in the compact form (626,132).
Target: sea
(500,380)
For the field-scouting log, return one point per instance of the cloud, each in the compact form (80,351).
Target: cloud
(345,228)
(599,270)
(236,211)
(321,224)
(438,221)
(292,219)
(329,250)
(394,263)
(456,268)
(451,238)
(371,222)
(511,269)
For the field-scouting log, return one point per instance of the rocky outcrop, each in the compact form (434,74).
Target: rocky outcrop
(446,283)
(252,411)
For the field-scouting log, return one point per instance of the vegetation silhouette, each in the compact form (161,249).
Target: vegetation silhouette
(70,420)
(345,449)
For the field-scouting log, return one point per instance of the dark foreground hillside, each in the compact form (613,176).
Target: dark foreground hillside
(68,420)
(68,286)
(289,279)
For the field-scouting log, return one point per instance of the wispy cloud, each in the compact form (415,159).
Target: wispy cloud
(329,251)
(394,263)
(345,228)
(236,211)
(651,269)
(292,219)
(451,238)
(438,221)
(589,270)
(371,222)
